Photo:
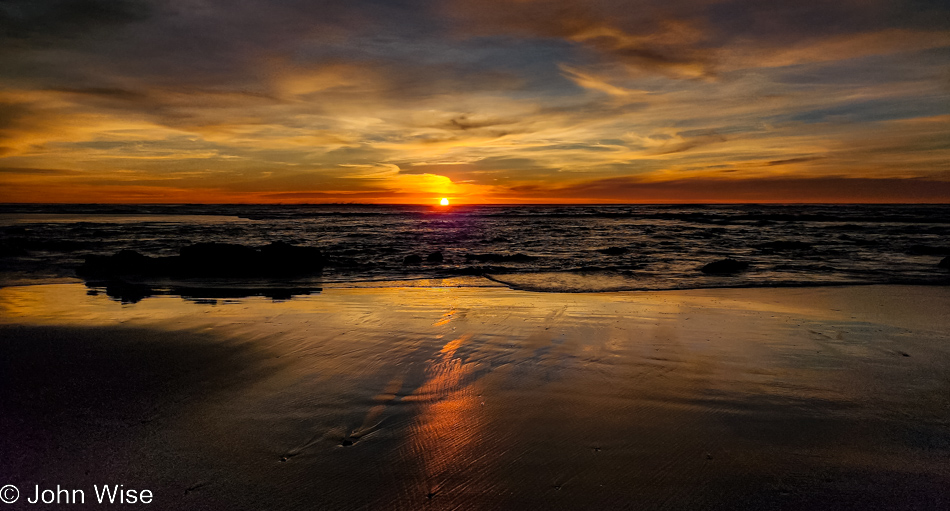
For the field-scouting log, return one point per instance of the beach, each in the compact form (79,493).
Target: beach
(443,396)
(474,255)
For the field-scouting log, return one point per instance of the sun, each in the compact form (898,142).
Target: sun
(444,201)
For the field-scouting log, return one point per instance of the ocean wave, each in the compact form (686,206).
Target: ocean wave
(558,248)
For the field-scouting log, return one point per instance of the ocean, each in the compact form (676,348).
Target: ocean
(554,248)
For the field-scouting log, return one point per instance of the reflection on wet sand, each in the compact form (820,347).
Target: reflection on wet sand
(461,398)
(446,427)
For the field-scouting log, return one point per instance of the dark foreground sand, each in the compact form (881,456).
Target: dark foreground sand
(466,398)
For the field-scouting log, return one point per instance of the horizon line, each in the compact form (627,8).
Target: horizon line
(506,204)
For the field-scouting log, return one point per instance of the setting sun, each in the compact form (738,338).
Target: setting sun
(444,201)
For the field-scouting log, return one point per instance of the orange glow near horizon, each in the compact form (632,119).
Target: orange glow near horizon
(683,191)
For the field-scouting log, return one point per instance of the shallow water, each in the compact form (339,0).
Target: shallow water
(557,248)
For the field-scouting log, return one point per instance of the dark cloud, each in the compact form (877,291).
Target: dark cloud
(104,92)
(215,42)
(776,189)
(645,34)
(465,122)
(333,196)
(692,38)
(58,21)
(489,171)
(876,110)
(791,161)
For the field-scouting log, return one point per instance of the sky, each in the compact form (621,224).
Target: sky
(480,101)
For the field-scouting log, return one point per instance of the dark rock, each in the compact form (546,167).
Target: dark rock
(724,267)
(412,259)
(128,292)
(125,262)
(614,251)
(16,231)
(945,263)
(219,259)
(210,260)
(291,259)
(435,257)
(224,259)
(128,257)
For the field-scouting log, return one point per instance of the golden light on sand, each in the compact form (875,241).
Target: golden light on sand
(444,201)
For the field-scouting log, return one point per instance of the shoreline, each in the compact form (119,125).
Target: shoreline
(165,286)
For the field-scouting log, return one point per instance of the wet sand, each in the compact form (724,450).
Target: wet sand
(484,398)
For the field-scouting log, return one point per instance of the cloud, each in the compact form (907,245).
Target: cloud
(591,81)
(791,161)
(493,171)
(642,35)
(701,39)
(466,122)
(475,96)
(764,190)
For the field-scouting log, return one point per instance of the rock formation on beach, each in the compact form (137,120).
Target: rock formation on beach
(725,267)
(277,259)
